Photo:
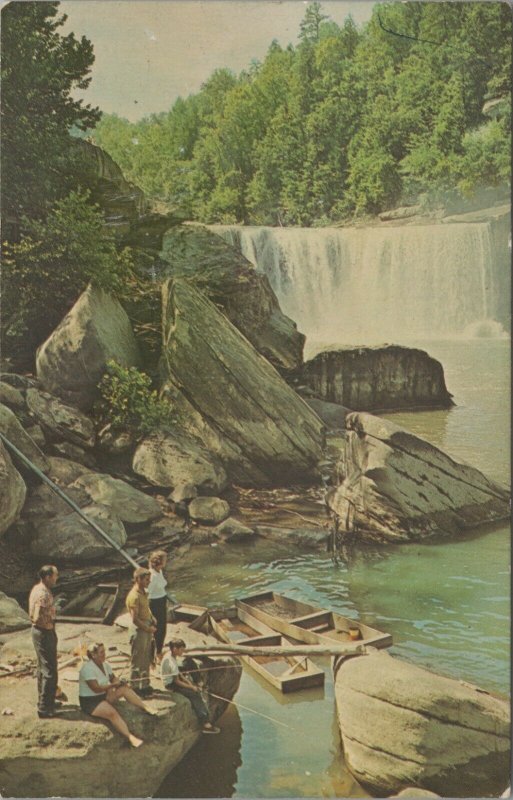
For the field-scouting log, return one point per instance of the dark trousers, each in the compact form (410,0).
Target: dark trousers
(158,608)
(45,645)
(198,704)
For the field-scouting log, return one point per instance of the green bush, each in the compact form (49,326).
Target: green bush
(128,401)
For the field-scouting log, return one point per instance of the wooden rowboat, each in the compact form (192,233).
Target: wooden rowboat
(285,673)
(92,605)
(306,623)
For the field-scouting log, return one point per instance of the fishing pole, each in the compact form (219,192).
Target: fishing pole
(239,705)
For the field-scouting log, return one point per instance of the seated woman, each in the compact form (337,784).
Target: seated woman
(99,689)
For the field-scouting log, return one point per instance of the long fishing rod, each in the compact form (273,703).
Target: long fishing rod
(246,708)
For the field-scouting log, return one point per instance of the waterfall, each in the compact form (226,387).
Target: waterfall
(377,284)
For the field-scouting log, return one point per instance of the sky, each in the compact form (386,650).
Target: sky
(149,52)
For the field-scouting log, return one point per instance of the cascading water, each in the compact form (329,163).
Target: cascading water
(376,284)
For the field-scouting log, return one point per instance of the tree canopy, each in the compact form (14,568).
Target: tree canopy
(349,121)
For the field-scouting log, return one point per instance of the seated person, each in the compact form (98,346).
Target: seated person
(175,680)
(99,689)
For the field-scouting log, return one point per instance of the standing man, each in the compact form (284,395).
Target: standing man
(143,629)
(42,614)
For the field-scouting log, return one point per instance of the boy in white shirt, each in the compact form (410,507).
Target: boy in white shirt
(174,680)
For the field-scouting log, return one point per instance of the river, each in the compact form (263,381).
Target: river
(446,603)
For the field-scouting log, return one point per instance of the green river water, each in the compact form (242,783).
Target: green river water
(446,603)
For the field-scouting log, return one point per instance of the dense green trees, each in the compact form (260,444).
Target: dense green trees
(348,121)
(40,70)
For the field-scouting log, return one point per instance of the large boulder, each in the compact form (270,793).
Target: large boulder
(378,378)
(61,420)
(396,487)
(74,357)
(229,279)
(171,460)
(403,726)
(12,491)
(64,471)
(15,433)
(229,397)
(43,503)
(209,510)
(77,756)
(10,396)
(132,506)
(12,616)
(69,539)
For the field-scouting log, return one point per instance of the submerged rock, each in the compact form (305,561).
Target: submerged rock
(378,378)
(171,460)
(12,491)
(396,487)
(74,357)
(228,396)
(246,297)
(404,726)
(231,530)
(12,616)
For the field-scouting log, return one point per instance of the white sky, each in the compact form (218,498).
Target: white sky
(149,52)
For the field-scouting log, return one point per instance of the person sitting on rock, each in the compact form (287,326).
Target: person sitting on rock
(99,689)
(174,680)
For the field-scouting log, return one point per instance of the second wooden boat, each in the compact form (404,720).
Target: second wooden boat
(285,673)
(93,605)
(306,623)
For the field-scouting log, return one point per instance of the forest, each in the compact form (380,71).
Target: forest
(349,122)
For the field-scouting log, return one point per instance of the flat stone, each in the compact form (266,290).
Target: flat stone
(129,504)
(61,420)
(404,726)
(209,510)
(231,530)
(313,538)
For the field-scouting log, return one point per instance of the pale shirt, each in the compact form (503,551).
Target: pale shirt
(42,607)
(157,587)
(169,669)
(92,672)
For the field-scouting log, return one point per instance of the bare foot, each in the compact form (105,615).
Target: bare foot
(134,741)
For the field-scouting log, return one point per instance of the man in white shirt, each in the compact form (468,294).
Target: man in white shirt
(175,681)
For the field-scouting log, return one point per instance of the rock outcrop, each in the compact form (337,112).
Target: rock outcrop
(132,506)
(378,378)
(60,420)
(16,434)
(12,491)
(75,542)
(77,756)
(404,726)
(73,359)
(171,460)
(396,487)
(209,510)
(230,281)
(229,397)
(12,616)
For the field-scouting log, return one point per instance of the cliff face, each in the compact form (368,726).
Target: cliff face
(378,378)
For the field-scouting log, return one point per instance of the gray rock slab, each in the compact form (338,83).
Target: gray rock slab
(128,503)
(65,471)
(394,486)
(73,359)
(404,726)
(10,396)
(12,616)
(233,400)
(69,539)
(61,420)
(12,491)
(171,460)
(13,430)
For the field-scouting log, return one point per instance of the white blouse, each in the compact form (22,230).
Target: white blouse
(158,583)
(92,672)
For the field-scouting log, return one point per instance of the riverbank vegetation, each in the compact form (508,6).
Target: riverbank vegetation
(348,122)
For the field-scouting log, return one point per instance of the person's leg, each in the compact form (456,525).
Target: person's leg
(45,643)
(197,703)
(159,611)
(141,660)
(116,693)
(105,710)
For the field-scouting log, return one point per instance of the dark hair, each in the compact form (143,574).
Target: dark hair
(93,649)
(46,571)
(140,572)
(174,644)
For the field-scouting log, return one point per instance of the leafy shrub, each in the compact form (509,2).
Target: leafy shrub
(128,401)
